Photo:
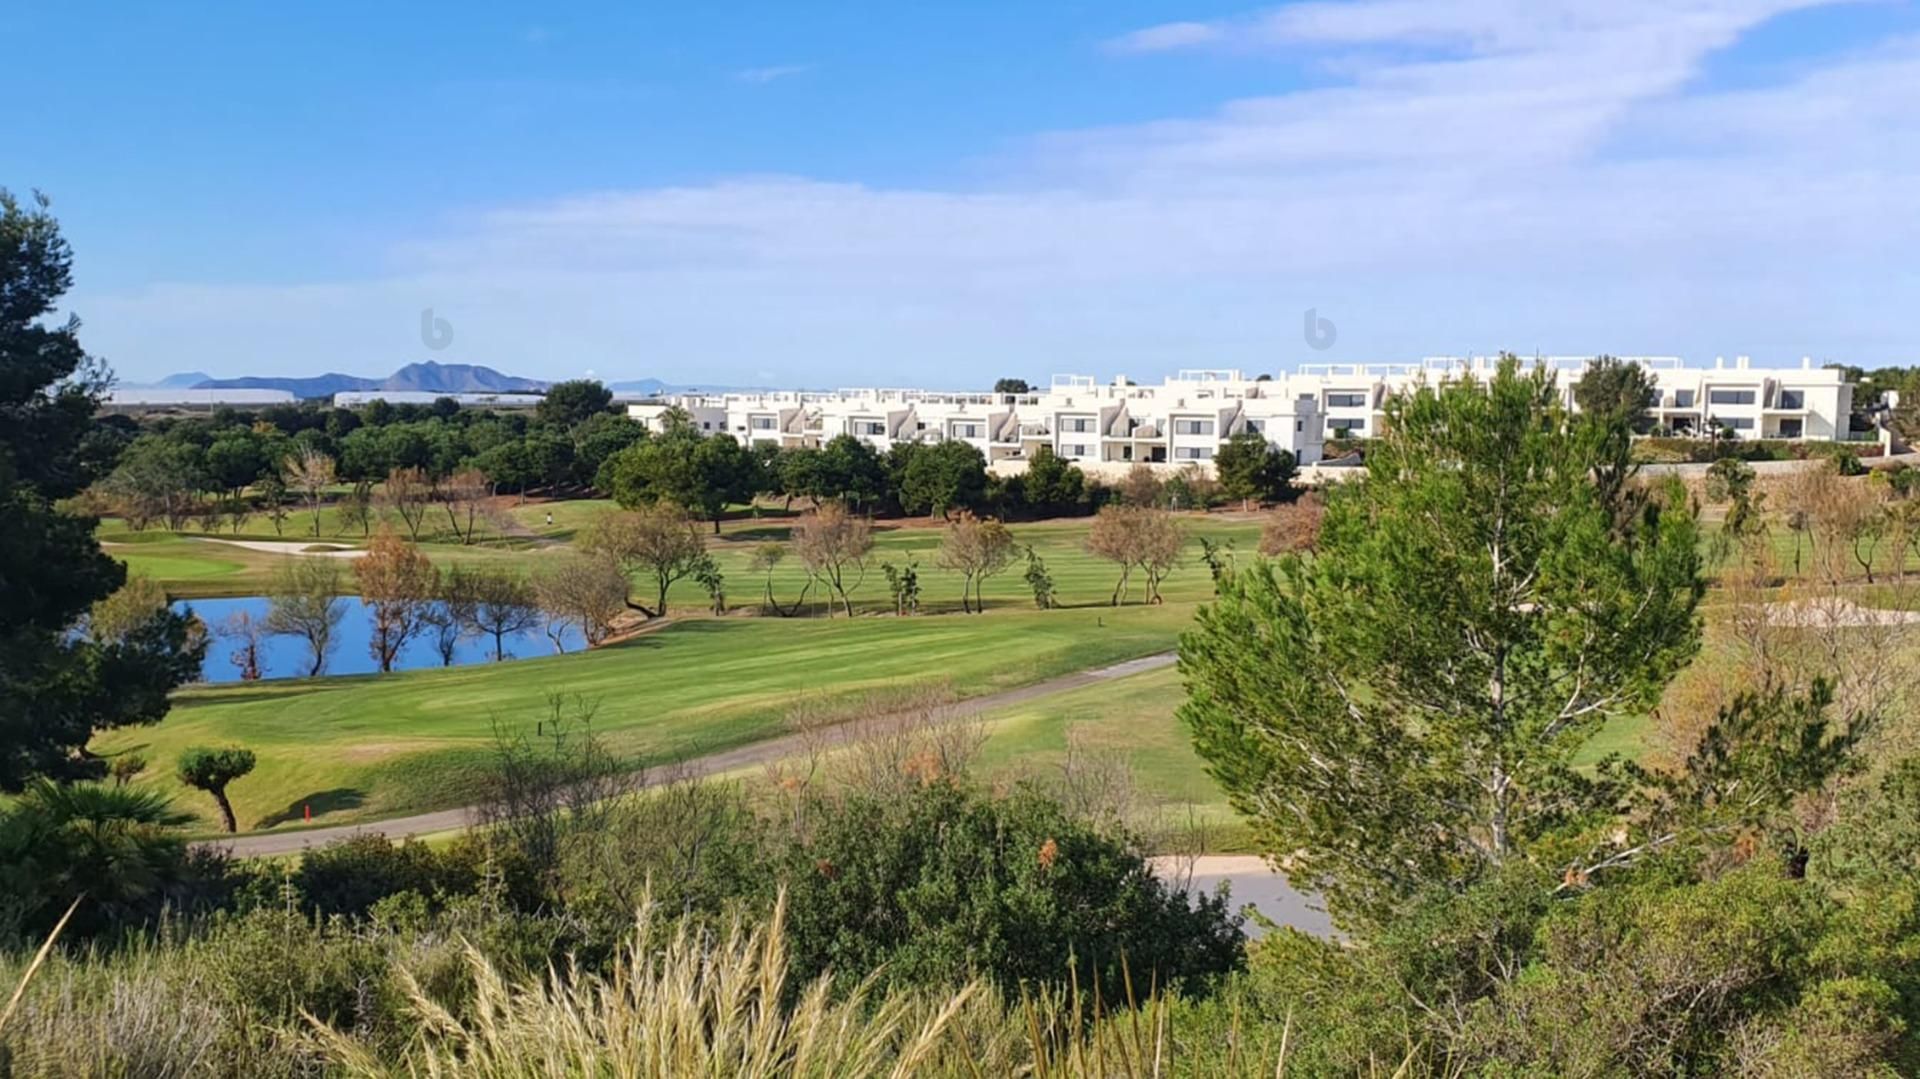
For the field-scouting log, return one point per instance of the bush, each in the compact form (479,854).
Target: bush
(351,875)
(944,884)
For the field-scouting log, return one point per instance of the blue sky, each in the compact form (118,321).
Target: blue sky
(940,194)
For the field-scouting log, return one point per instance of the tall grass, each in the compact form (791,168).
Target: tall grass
(682,1001)
(677,1002)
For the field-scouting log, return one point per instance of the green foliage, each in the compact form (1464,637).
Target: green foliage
(1039,580)
(1251,469)
(1614,391)
(569,403)
(1011,385)
(120,848)
(1478,606)
(943,884)
(938,478)
(903,584)
(211,770)
(57,689)
(701,474)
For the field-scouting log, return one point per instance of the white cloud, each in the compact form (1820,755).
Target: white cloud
(760,76)
(1166,37)
(1545,175)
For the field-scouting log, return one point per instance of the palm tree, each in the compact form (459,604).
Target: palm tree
(120,847)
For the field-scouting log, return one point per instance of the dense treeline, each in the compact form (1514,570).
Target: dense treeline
(226,468)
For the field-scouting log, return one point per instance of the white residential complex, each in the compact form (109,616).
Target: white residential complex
(1108,427)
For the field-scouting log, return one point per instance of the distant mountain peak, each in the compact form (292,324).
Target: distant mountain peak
(423,377)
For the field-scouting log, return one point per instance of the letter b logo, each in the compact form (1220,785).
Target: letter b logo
(435,333)
(1320,332)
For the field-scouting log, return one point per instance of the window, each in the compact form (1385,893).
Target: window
(763,423)
(1793,399)
(1068,449)
(1341,425)
(1730,397)
(1299,426)
(1346,400)
(1078,425)
(1737,423)
(966,430)
(1683,398)
(706,425)
(869,427)
(1193,427)
(1257,426)
(1791,429)
(1194,453)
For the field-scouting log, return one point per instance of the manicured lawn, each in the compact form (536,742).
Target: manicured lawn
(363,747)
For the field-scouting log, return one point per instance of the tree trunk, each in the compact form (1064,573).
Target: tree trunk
(226,810)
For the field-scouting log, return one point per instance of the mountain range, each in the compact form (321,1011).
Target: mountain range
(428,377)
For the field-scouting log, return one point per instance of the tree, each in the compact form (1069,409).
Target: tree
(1137,537)
(273,499)
(903,584)
(589,591)
(120,848)
(133,605)
(397,582)
(1252,469)
(356,510)
(1141,486)
(659,540)
(1051,484)
(766,559)
(702,474)
(310,472)
(941,478)
(573,402)
(975,548)
(211,770)
(1401,710)
(851,470)
(1293,526)
(248,636)
(834,544)
(57,688)
(1614,392)
(155,480)
(499,604)
(303,600)
(464,494)
(408,493)
(450,617)
(1040,581)
(1011,385)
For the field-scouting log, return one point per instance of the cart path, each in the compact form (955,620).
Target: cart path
(758,753)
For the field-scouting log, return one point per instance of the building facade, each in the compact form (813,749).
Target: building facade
(1109,427)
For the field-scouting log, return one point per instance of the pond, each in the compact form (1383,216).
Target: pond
(287,657)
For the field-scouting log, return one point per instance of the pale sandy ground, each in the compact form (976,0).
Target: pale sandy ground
(1836,611)
(285,547)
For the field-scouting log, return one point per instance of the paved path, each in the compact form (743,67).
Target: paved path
(748,756)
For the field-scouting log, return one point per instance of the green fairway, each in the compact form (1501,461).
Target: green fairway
(368,746)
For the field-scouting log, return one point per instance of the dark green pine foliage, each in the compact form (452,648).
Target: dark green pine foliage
(1401,709)
(57,688)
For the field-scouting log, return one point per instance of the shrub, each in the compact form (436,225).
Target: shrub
(351,875)
(943,884)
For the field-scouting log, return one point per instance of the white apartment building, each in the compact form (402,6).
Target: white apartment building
(1108,427)
(1801,403)
(1105,427)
